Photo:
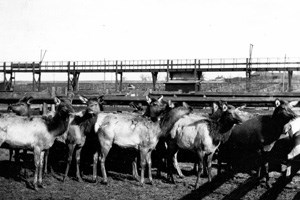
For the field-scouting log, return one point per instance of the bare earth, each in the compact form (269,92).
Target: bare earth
(122,186)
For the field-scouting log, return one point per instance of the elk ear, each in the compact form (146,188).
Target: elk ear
(184,104)
(160,99)
(83,99)
(242,107)
(294,103)
(224,107)
(171,104)
(277,103)
(57,101)
(148,99)
(215,106)
(29,100)
(100,99)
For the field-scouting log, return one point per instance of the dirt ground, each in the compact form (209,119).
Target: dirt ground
(122,186)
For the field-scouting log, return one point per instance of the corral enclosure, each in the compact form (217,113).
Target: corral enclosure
(121,184)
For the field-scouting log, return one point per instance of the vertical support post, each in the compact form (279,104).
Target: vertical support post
(171,75)
(69,77)
(195,76)
(39,79)
(36,82)
(121,78)
(195,70)
(53,94)
(248,75)
(75,81)
(116,83)
(290,75)
(168,70)
(4,76)
(154,80)
(73,77)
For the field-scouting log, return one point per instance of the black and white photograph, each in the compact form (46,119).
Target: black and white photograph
(149,100)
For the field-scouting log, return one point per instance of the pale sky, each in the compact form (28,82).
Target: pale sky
(78,30)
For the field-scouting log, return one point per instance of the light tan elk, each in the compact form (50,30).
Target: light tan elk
(21,108)
(134,131)
(35,133)
(200,134)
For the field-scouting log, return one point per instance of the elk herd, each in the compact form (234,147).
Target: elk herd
(227,134)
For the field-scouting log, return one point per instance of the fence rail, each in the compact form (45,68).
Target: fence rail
(225,64)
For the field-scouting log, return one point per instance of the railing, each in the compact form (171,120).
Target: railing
(113,65)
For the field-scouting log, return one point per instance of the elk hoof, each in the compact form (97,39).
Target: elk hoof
(137,178)
(171,180)
(41,186)
(79,179)
(151,182)
(35,187)
(181,176)
(94,180)
(104,182)
(64,179)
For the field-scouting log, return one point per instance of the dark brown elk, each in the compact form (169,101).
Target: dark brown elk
(258,135)
(200,134)
(39,135)
(82,124)
(240,116)
(133,131)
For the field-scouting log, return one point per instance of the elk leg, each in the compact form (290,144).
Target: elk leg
(176,165)
(134,169)
(46,162)
(143,156)
(69,161)
(200,169)
(25,161)
(209,166)
(95,164)
(78,153)
(161,148)
(172,150)
(37,154)
(41,162)
(11,152)
(105,147)
(149,162)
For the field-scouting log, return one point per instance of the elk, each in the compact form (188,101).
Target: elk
(39,135)
(259,134)
(200,134)
(21,108)
(81,125)
(133,131)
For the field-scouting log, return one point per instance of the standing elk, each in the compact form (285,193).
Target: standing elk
(21,108)
(134,131)
(259,134)
(35,133)
(200,134)
(82,124)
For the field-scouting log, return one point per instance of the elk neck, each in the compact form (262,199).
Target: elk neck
(58,125)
